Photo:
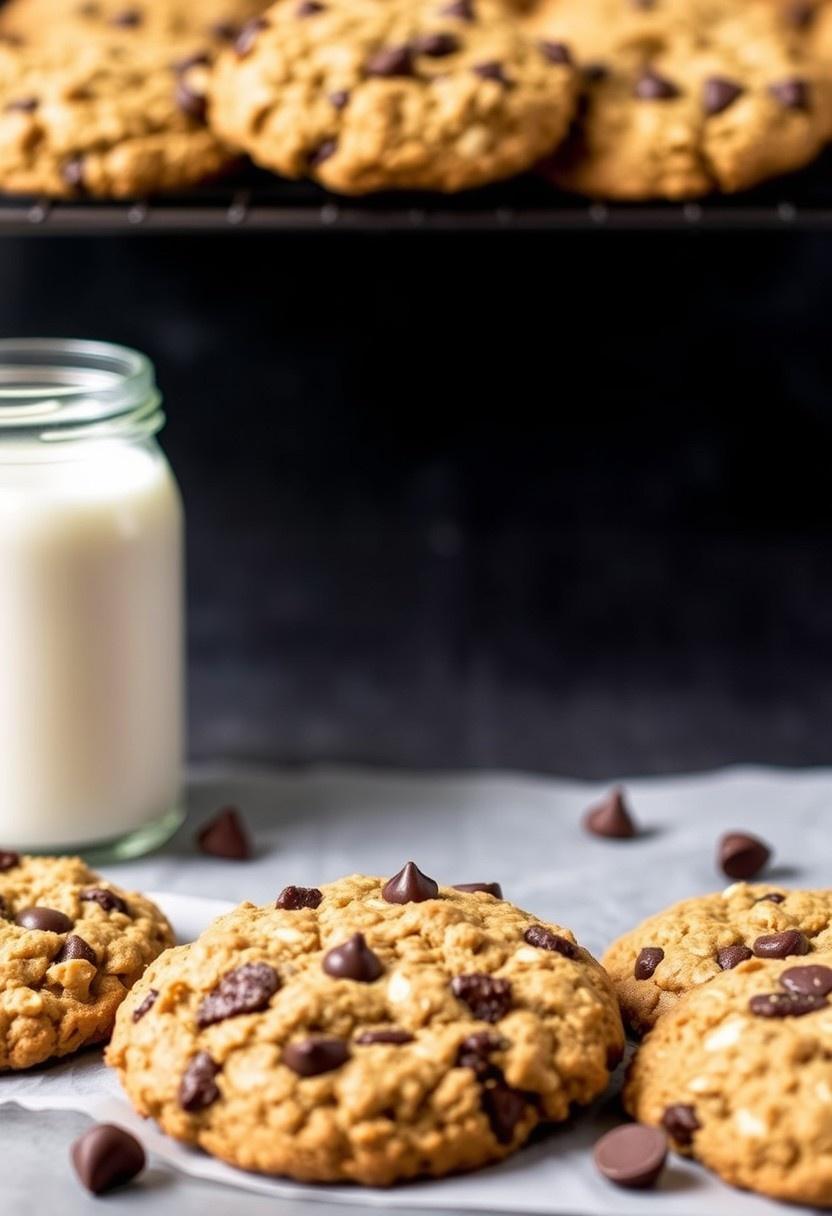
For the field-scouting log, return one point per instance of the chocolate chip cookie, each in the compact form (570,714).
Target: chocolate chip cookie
(653,966)
(684,97)
(368,1031)
(739,1075)
(408,94)
(36,22)
(105,119)
(71,947)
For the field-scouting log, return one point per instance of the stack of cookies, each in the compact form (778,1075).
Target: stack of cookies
(629,99)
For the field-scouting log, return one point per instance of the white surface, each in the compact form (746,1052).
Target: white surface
(90,642)
(525,832)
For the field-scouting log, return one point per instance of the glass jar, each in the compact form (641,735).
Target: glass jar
(91,603)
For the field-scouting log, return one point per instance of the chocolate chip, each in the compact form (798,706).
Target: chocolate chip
(594,73)
(339,98)
(718,93)
(246,989)
(198,1088)
(409,886)
(792,94)
(76,948)
(545,939)
(4,909)
(781,945)
(198,60)
(632,1156)
(680,1123)
(224,31)
(463,10)
(650,86)
(248,36)
(808,980)
(390,61)
(504,1108)
(774,898)
(436,46)
(611,818)
(225,835)
(741,856)
(145,1005)
(308,8)
(800,14)
(130,18)
(475,1051)
(556,52)
(730,957)
(490,69)
(489,999)
(787,1004)
(105,1157)
(391,1034)
(323,152)
(490,888)
(108,900)
(293,898)
(647,962)
(49,920)
(311,1057)
(24,105)
(8,860)
(354,960)
(194,105)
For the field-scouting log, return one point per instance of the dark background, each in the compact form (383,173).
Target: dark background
(556,502)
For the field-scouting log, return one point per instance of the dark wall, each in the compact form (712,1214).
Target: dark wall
(554,502)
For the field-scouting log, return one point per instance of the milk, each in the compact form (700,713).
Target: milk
(90,641)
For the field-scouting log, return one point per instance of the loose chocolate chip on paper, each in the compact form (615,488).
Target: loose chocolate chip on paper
(718,93)
(545,939)
(293,898)
(435,46)
(491,69)
(108,900)
(225,835)
(105,1157)
(198,1088)
(8,860)
(409,886)
(490,888)
(809,981)
(246,989)
(680,1123)
(475,1051)
(489,999)
(556,52)
(611,818)
(647,962)
(48,920)
(730,957)
(650,86)
(390,61)
(145,1005)
(787,1004)
(792,94)
(311,1057)
(390,1034)
(742,856)
(632,1156)
(504,1108)
(76,948)
(781,945)
(353,960)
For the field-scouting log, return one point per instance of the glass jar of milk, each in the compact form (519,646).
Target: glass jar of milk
(91,620)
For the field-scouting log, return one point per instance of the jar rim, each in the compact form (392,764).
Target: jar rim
(71,388)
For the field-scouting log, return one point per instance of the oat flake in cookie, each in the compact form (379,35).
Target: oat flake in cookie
(408,94)
(71,947)
(739,1075)
(654,965)
(348,1037)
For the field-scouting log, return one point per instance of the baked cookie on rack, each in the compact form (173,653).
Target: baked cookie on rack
(105,119)
(653,966)
(685,97)
(368,1031)
(739,1075)
(206,22)
(71,948)
(405,94)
